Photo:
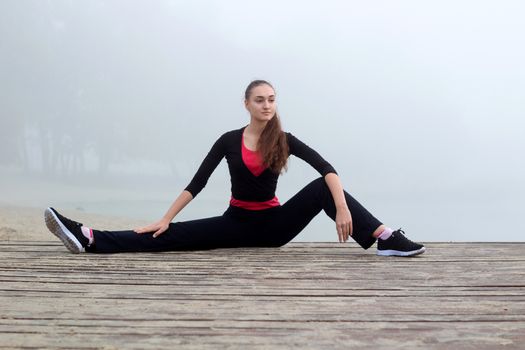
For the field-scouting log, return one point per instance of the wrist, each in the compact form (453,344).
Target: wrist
(165,220)
(341,206)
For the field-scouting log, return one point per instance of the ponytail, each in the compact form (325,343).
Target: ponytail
(273,146)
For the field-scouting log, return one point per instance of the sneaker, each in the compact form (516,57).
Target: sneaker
(397,244)
(68,231)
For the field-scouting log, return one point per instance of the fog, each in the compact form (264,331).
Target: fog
(110,106)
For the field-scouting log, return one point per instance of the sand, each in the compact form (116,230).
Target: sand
(27,223)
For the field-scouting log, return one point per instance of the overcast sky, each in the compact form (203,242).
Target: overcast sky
(419,105)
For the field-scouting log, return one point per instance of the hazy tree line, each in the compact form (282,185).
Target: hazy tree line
(83,89)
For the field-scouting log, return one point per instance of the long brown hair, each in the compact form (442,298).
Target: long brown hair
(272,143)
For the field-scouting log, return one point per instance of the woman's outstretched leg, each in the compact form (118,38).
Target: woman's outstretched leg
(216,232)
(296,213)
(299,210)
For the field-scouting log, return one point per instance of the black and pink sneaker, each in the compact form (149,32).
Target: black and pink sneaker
(68,231)
(398,245)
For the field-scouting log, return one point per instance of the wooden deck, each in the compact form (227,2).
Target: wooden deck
(303,295)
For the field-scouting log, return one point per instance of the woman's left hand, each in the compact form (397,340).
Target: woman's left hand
(343,222)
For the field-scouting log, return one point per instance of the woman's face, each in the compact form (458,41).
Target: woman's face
(261,103)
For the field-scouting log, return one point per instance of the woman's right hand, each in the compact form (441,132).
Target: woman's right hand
(162,225)
(157,228)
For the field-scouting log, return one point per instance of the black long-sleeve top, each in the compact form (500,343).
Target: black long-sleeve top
(245,185)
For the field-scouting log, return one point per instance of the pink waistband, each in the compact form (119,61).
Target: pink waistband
(274,202)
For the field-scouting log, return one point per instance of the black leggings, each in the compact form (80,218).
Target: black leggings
(239,227)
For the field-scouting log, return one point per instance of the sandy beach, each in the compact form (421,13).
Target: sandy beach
(27,223)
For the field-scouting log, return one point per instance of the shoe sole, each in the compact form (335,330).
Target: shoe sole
(57,228)
(390,252)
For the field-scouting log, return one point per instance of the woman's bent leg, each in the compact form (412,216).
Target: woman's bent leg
(209,233)
(297,212)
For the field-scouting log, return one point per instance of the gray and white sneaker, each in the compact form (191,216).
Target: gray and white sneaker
(398,245)
(68,231)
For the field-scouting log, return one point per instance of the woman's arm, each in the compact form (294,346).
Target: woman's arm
(162,225)
(198,182)
(343,218)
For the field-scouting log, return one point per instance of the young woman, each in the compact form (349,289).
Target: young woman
(256,155)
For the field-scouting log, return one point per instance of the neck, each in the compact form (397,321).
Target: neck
(256,127)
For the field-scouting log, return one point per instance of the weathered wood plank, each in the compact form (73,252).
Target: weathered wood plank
(304,295)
